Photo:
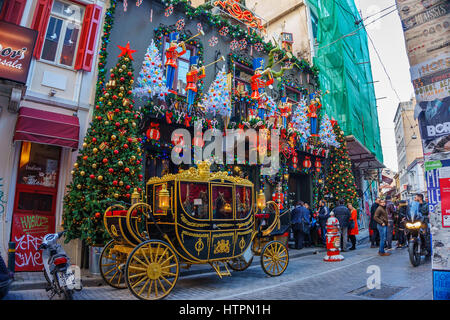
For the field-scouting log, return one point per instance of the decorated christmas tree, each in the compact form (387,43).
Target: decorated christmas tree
(217,100)
(108,167)
(151,81)
(326,133)
(339,181)
(300,122)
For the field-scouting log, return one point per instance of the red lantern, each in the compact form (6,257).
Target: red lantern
(153,132)
(294,160)
(307,162)
(318,165)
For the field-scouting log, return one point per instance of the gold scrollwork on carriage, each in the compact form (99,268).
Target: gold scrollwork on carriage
(222,246)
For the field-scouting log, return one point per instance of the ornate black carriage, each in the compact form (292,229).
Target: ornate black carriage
(192,217)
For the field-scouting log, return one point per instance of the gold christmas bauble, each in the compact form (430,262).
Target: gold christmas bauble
(95,150)
(106,94)
(75,165)
(124,66)
(82,173)
(79,186)
(127,59)
(113,137)
(106,123)
(72,172)
(122,88)
(120,94)
(120,183)
(120,163)
(120,70)
(133,158)
(133,124)
(131,81)
(125,120)
(94,166)
(100,178)
(116,195)
(84,145)
(109,103)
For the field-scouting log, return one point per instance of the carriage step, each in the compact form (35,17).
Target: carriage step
(216,267)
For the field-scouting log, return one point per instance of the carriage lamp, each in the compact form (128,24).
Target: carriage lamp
(164,198)
(135,197)
(261,200)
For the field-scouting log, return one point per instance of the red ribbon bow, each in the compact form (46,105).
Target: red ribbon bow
(168,117)
(187,121)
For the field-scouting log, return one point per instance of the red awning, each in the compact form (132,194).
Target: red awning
(47,128)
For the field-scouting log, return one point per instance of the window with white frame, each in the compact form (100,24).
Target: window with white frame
(63,33)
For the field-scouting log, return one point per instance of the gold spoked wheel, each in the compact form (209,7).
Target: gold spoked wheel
(152,270)
(239,264)
(274,258)
(111,266)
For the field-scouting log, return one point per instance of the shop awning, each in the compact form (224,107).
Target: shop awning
(360,155)
(47,128)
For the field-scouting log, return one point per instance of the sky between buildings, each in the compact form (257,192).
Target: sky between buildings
(387,36)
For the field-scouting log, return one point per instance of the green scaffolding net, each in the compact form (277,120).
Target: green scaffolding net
(341,53)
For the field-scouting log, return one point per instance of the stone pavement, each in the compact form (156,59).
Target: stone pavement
(36,280)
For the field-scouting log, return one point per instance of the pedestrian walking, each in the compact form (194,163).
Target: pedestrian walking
(312,236)
(342,213)
(324,214)
(374,234)
(381,218)
(300,224)
(390,209)
(353,225)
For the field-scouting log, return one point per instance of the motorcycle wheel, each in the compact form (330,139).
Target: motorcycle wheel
(67,293)
(414,256)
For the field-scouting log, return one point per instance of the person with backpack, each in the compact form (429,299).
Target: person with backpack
(342,213)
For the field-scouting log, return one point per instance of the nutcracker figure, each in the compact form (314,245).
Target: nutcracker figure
(313,108)
(192,77)
(258,84)
(171,58)
(285,110)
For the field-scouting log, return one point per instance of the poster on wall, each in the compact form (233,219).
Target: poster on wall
(28,231)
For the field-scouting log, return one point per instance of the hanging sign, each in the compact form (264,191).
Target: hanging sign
(16,49)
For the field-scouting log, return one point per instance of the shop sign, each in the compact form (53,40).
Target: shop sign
(16,49)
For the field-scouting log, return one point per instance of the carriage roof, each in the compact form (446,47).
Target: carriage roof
(201,174)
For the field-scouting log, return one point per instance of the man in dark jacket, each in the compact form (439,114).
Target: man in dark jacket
(375,236)
(381,217)
(300,218)
(342,213)
(324,214)
(390,210)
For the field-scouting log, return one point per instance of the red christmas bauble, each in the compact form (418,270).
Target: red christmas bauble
(126,170)
(105,161)
(111,170)
(98,215)
(125,146)
(115,183)
(92,176)
(116,151)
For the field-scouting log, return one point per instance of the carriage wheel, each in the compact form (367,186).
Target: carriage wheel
(274,258)
(152,270)
(111,266)
(239,264)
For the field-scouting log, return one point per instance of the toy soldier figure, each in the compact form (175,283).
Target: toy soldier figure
(192,77)
(285,110)
(312,109)
(171,58)
(258,85)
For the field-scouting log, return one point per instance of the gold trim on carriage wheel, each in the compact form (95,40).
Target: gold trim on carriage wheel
(152,270)
(111,265)
(274,258)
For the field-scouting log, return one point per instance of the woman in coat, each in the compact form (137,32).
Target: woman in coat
(354,231)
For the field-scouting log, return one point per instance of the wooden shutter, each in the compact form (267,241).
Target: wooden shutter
(40,22)
(88,38)
(12,11)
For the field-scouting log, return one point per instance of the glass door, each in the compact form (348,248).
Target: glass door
(35,202)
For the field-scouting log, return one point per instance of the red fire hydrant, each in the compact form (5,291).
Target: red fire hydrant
(333,240)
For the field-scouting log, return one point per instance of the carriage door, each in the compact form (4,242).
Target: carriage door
(222,223)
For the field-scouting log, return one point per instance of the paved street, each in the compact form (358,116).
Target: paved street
(306,278)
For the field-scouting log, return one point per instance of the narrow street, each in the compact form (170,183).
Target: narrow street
(306,278)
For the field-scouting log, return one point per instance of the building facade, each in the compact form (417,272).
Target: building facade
(44,116)
(409,151)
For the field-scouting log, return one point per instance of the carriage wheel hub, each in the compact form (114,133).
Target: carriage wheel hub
(154,271)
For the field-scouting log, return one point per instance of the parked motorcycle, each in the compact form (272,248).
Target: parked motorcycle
(57,270)
(418,239)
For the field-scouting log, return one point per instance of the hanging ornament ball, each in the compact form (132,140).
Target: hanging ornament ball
(94,166)
(120,163)
(97,215)
(84,145)
(95,150)
(82,173)
(115,182)
(78,186)
(120,183)
(113,137)
(116,195)
(75,165)
(100,178)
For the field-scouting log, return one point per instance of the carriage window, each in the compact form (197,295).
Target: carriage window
(243,202)
(222,202)
(194,198)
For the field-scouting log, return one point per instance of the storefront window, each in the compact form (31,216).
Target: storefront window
(39,165)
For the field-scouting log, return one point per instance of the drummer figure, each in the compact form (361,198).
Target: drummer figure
(258,84)
(192,77)
(172,58)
